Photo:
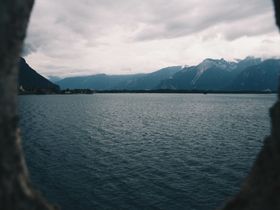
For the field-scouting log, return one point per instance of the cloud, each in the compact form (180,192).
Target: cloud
(192,18)
(92,36)
(28,49)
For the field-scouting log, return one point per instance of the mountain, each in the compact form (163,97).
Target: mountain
(98,82)
(249,74)
(119,82)
(150,81)
(261,77)
(211,74)
(54,79)
(30,80)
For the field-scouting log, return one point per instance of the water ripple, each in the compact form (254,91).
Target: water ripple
(142,151)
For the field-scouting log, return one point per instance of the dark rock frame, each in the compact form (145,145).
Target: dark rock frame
(260,191)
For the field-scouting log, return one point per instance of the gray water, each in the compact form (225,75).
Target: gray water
(142,151)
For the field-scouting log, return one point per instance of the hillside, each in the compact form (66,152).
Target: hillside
(30,80)
(262,77)
(211,74)
(249,74)
(119,82)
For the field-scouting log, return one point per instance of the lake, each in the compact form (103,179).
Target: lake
(142,151)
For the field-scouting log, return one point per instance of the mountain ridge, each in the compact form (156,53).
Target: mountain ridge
(118,82)
(210,74)
(31,81)
(249,74)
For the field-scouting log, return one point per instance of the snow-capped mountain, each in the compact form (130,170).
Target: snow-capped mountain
(249,74)
(210,74)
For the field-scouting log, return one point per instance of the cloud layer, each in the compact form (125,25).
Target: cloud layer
(68,37)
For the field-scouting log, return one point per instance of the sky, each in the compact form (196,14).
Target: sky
(70,38)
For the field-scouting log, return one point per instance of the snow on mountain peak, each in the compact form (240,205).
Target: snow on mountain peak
(213,63)
(184,66)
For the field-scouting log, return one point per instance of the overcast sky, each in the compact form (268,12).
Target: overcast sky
(82,37)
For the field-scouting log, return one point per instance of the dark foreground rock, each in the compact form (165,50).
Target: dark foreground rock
(260,191)
(16,191)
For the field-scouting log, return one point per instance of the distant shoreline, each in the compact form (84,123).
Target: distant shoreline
(187,91)
(205,92)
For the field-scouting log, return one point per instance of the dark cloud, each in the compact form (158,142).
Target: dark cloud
(27,49)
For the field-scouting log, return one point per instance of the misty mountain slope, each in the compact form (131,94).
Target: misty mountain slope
(119,82)
(150,81)
(98,82)
(249,74)
(211,74)
(264,76)
(243,64)
(180,80)
(29,79)
(54,79)
(213,79)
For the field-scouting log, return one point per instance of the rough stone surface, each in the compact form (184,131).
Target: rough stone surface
(261,189)
(16,191)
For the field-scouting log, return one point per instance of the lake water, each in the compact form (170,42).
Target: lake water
(142,151)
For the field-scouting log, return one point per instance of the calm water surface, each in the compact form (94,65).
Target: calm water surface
(142,151)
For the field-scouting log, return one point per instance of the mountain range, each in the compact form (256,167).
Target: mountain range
(120,82)
(249,74)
